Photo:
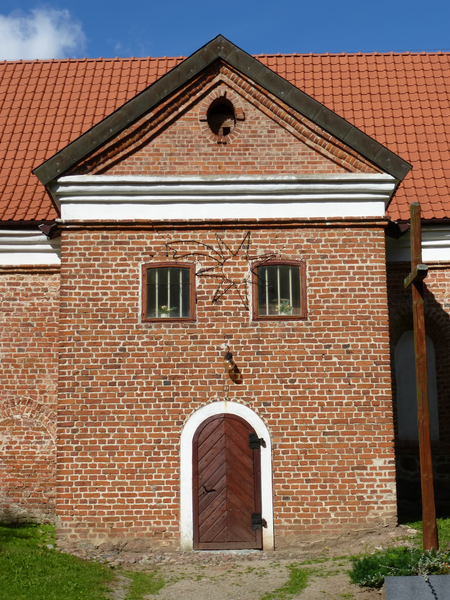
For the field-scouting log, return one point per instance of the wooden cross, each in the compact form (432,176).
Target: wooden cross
(415,280)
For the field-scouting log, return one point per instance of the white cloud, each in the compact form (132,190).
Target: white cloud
(45,33)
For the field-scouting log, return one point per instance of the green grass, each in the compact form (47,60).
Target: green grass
(370,571)
(298,580)
(143,583)
(31,571)
(443,526)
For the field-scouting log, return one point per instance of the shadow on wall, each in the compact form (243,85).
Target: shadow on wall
(437,323)
(27,466)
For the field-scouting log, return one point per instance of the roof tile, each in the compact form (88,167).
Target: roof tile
(402,100)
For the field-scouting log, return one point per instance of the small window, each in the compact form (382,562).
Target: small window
(280,291)
(168,292)
(221,118)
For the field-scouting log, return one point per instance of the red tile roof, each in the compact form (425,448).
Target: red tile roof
(401,100)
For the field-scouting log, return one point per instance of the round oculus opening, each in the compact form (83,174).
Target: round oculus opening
(221,118)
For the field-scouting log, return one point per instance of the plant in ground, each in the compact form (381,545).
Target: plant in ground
(298,580)
(29,570)
(370,571)
(433,563)
(143,583)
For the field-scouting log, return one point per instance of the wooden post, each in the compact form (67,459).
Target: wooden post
(415,279)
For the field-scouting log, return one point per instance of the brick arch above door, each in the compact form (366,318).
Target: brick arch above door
(186,474)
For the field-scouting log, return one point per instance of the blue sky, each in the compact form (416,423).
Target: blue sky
(69,28)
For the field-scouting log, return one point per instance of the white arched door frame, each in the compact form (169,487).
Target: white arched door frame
(186,504)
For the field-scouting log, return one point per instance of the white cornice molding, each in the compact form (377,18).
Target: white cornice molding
(435,246)
(106,197)
(28,248)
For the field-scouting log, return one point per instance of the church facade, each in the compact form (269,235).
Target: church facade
(206,343)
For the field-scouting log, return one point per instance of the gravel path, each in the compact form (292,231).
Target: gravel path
(250,580)
(244,575)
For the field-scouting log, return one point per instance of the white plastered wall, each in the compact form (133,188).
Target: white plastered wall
(186,508)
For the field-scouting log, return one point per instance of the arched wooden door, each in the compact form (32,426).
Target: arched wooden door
(227,485)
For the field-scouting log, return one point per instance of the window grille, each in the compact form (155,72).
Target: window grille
(168,293)
(280,291)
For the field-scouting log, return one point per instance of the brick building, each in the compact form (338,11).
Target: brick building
(159,215)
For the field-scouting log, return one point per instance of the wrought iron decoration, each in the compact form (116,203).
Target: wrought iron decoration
(221,255)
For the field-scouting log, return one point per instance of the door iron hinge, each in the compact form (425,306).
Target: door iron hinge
(255,442)
(257,521)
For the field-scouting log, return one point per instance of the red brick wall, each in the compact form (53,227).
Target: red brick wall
(174,138)
(185,148)
(322,386)
(29,351)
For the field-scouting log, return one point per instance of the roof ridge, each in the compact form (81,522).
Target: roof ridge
(257,56)
(345,54)
(97,59)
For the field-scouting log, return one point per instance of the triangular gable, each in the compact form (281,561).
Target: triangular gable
(264,136)
(221,49)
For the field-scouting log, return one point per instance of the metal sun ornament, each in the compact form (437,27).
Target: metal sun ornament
(221,255)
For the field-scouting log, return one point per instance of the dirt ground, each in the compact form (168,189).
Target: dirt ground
(250,580)
(248,575)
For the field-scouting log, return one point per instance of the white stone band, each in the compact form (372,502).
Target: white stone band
(435,246)
(28,248)
(105,197)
